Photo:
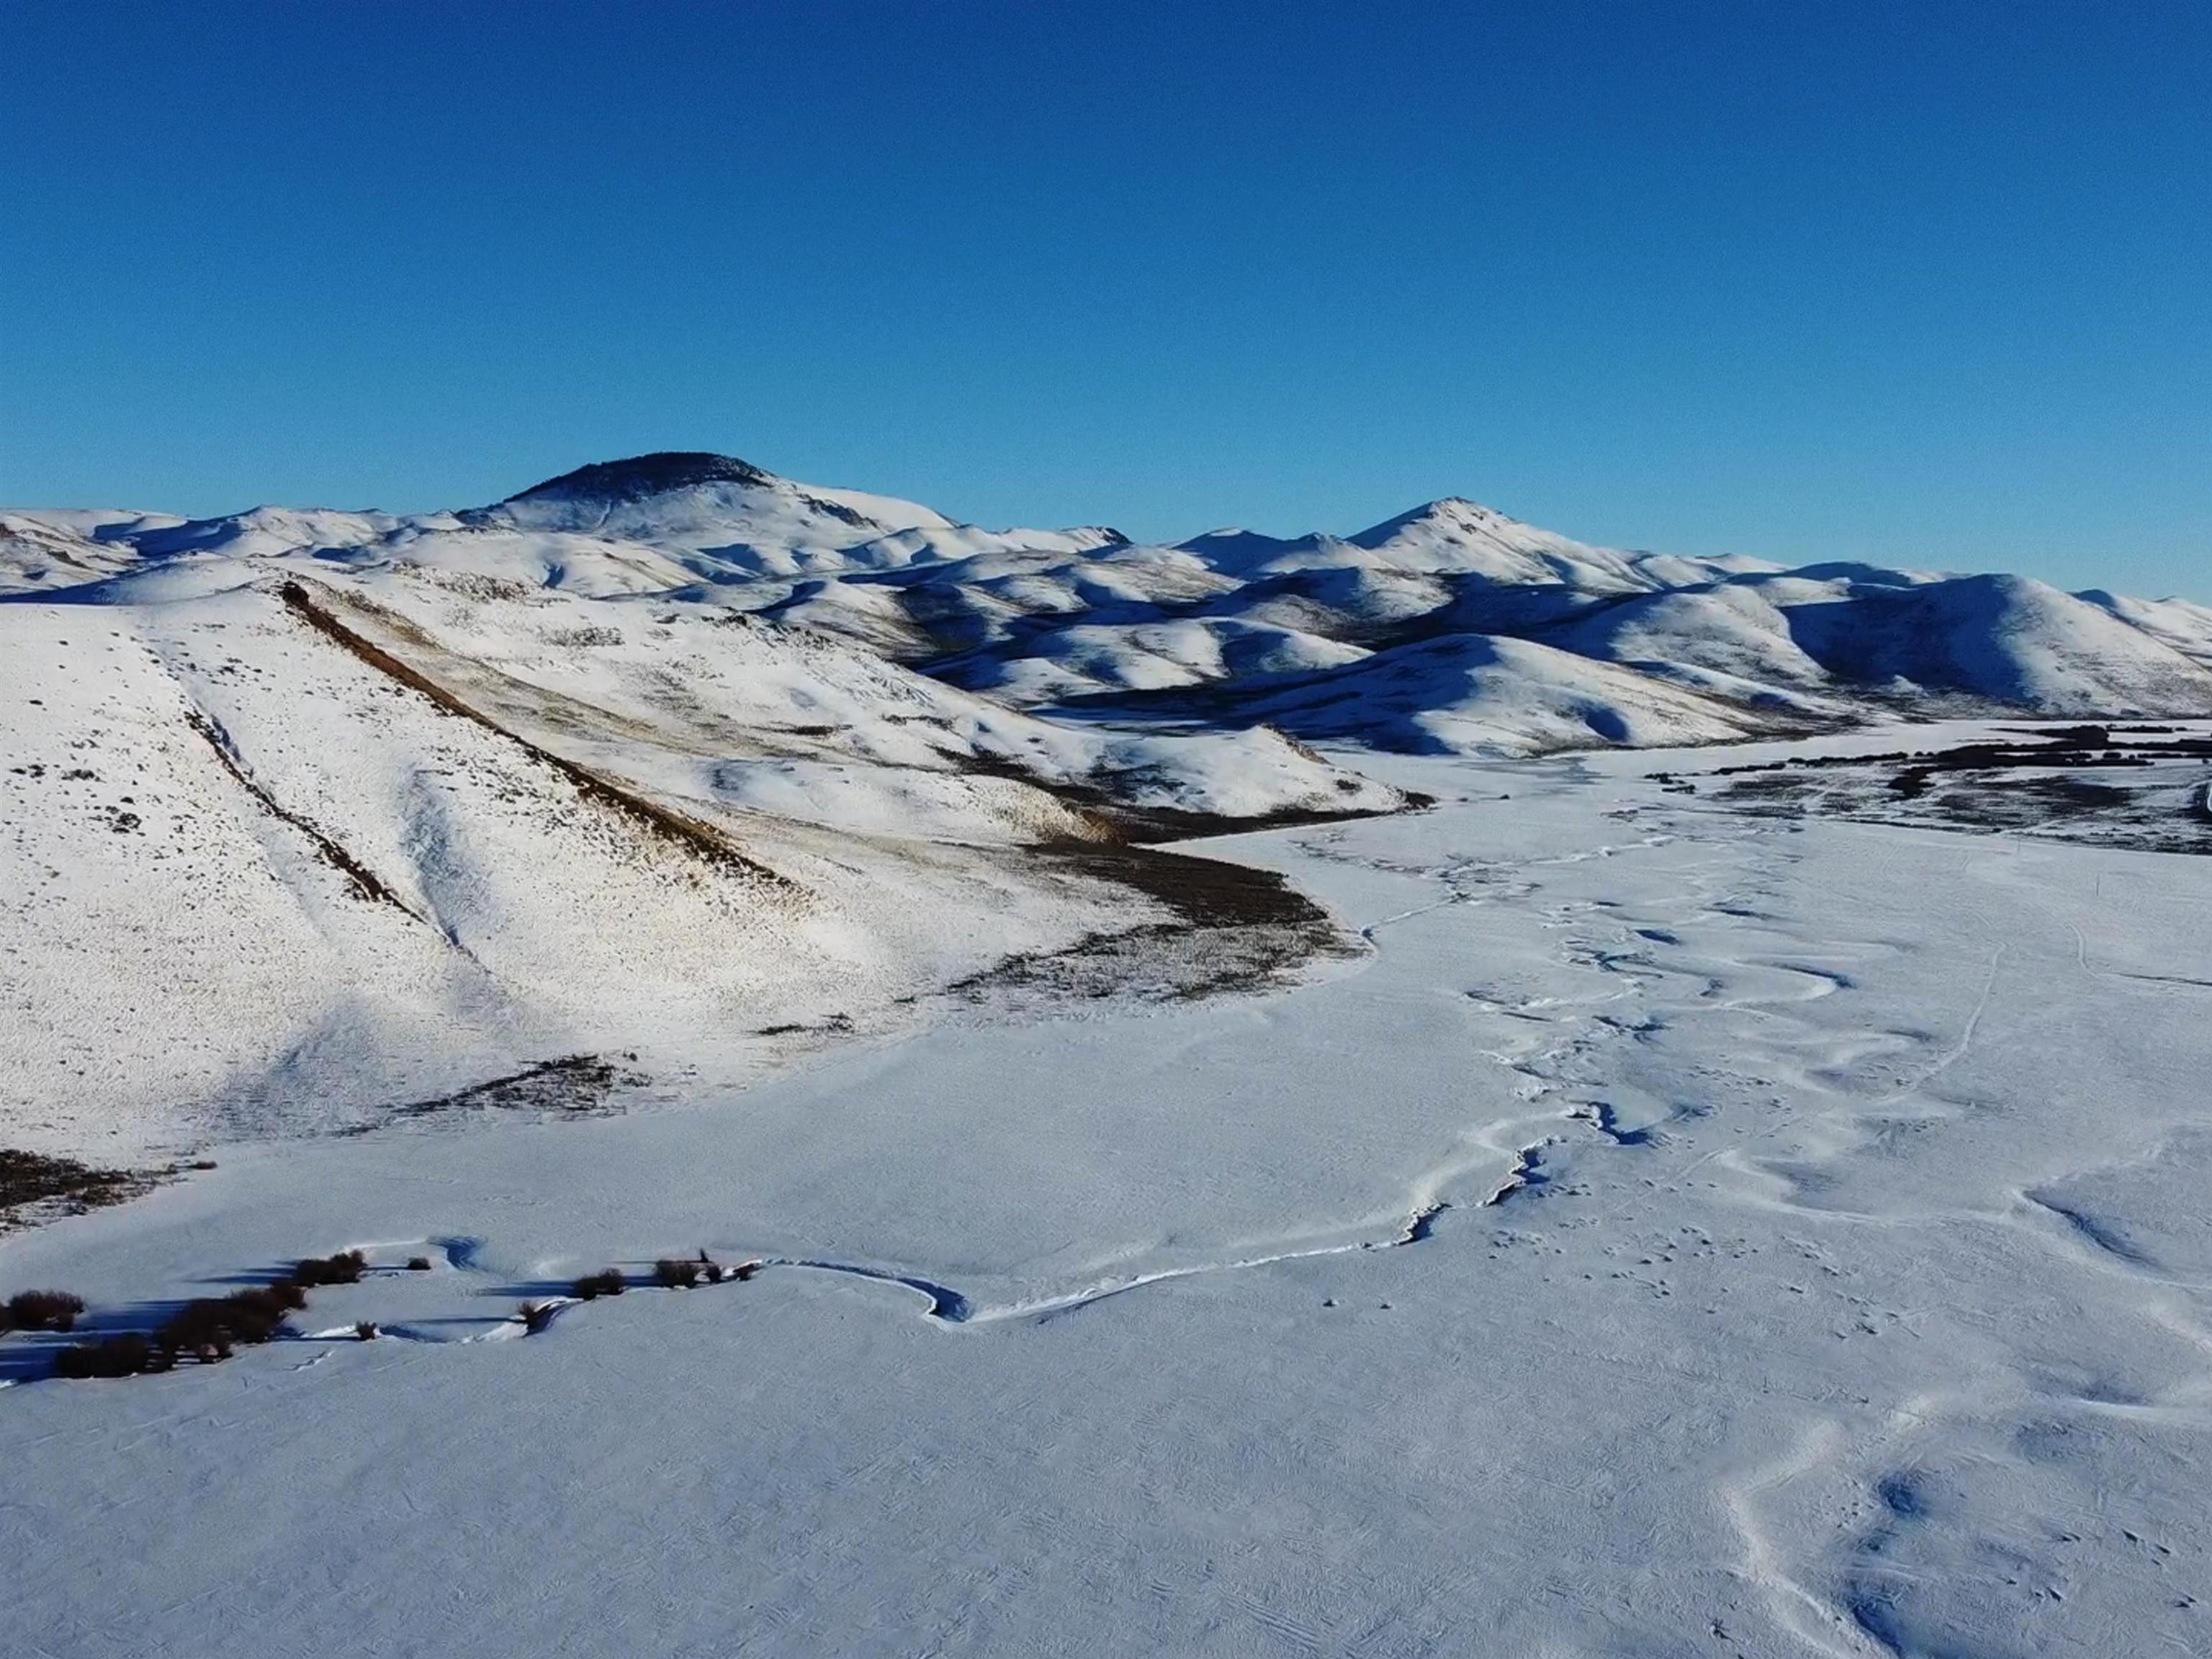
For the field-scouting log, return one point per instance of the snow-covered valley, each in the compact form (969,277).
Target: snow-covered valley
(1685,1232)
(1523,1189)
(314,817)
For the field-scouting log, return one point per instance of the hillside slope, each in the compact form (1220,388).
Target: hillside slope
(312,815)
(294,853)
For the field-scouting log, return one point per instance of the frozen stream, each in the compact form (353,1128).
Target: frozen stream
(1684,1233)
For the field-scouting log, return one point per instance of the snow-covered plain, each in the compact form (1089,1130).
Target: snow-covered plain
(1745,1199)
(1683,1232)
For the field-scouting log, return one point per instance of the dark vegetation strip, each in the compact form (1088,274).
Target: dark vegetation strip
(2068,746)
(580,1083)
(211,1329)
(34,1185)
(1116,820)
(701,840)
(1204,892)
(2114,786)
(1231,928)
(365,882)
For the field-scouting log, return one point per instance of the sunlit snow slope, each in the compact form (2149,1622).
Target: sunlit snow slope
(309,813)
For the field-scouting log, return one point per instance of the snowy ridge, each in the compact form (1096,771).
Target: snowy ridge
(665,753)
(1271,628)
(337,813)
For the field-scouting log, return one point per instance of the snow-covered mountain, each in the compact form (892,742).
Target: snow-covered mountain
(1265,628)
(672,746)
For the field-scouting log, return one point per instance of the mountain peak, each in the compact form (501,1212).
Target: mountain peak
(1449,511)
(640,476)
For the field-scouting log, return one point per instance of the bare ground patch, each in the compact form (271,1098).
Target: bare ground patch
(575,1085)
(35,1188)
(2143,788)
(1231,928)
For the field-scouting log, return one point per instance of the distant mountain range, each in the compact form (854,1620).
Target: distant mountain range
(311,815)
(1449,627)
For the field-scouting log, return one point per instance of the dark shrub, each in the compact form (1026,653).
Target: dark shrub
(608,1282)
(535,1315)
(673,1275)
(201,1328)
(255,1315)
(44,1310)
(366,1331)
(195,1331)
(208,1329)
(345,1268)
(418,1264)
(111,1356)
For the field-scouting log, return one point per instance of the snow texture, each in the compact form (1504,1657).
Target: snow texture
(1656,1199)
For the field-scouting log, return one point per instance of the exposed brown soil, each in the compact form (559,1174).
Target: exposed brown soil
(1232,928)
(1205,892)
(34,1187)
(574,1086)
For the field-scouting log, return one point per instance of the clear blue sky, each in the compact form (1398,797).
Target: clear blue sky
(1925,284)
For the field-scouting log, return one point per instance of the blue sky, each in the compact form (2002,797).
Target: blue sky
(1928,284)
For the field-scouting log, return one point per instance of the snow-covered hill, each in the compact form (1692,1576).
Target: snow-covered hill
(675,750)
(331,837)
(1587,1221)
(1268,627)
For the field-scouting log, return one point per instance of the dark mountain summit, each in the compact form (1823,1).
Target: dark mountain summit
(642,476)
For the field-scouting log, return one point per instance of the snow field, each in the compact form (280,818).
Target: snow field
(1804,1257)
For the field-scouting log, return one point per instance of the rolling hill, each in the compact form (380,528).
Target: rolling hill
(312,814)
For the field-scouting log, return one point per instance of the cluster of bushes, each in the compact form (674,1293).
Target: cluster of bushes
(211,1329)
(208,1330)
(345,1268)
(58,1310)
(40,1310)
(678,1273)
(111,1356)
